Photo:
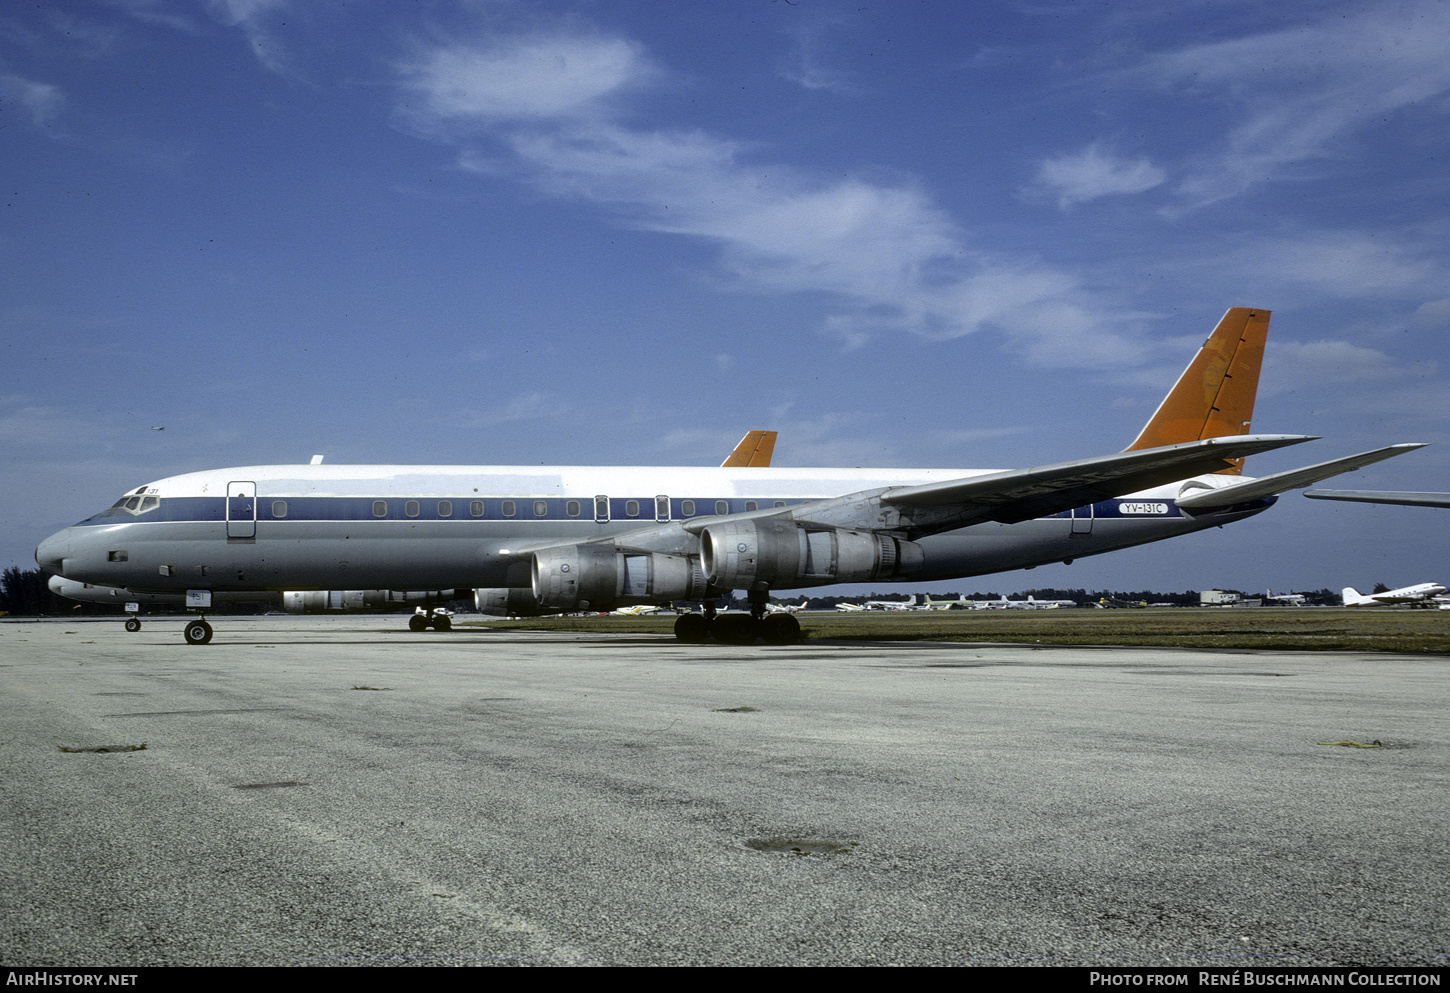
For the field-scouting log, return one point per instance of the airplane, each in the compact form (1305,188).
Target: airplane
(927,603)
(1371,496)
(1032,603)
(1292,599)
(754,449)
(908,604)
(638,610)
(895,605)
(595,538)
(1421,594)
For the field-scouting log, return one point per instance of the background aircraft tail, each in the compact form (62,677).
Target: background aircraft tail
(754,450)
(1214,398)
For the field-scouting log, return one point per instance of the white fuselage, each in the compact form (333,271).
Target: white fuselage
(299,527)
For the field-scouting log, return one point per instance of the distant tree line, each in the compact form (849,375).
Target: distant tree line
(24,592)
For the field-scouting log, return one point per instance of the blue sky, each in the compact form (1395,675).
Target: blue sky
(911,234)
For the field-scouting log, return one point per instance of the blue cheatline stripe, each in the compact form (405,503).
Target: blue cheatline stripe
(361,509)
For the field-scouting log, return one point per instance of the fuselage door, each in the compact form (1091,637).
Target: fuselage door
(241,510)
(1082,521)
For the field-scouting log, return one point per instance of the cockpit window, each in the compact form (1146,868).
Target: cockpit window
(137,504)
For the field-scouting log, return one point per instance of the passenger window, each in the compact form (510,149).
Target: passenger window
(380,508)
(475,508)
(780,503)
(541,508)
(508,508)
(687,508)
(279,508)
(721,507)
(411,508)
(751,505)
(631,508)
(445,508)
(572,508)
(116,556)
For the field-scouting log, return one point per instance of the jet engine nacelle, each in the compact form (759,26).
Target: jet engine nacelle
(784,553)
(602,577)
(355,601)
(505,602)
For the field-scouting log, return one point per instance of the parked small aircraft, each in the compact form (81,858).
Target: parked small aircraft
(1420,594)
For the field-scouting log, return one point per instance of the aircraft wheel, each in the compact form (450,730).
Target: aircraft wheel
(132,624)
(692,628)
(735,629)
(442,623)
(780,629)
(417,623)
(197,632)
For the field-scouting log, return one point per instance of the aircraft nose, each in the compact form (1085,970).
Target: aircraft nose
(51,554)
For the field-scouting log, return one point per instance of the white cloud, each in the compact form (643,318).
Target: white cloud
(254,17)
(525,407)
(523,79)
(805,66)
(156,12)
(43,101)
(1096,172)
(1434,313)
(1344,264)
(892,259)
(1305,91)
(1313,365)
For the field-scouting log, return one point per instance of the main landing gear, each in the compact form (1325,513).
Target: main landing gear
(196,632)
(739,629)
(423,620)
(133,624)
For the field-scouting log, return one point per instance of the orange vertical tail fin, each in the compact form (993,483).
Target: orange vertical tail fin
(1214,397)
(753,451)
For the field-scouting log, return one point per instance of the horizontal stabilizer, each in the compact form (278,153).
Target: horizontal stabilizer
(1371,496)
(1023,494)
(1254,489)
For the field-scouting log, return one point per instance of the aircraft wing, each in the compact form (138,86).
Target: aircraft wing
(1023,494)
(1254,489)
(1370,496)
